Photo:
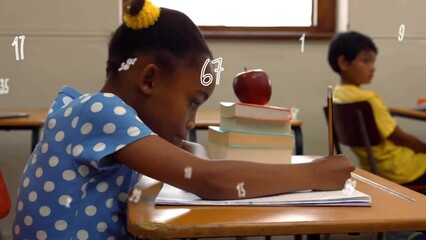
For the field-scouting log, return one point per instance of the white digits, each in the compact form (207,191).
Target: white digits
(188,173)
(126,65)
(15,44)
(207,78)
(123,67)
(349,187)
(136,195)
(302,46)
(240,189)
(4,86)
(401,32)
(218,69)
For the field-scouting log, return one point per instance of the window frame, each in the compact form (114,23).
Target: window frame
(326,27)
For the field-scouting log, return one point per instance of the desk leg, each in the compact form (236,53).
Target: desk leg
(34,138)
(193,135)
(314,236)
(298,137)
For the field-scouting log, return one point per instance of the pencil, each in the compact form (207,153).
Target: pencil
(330,120)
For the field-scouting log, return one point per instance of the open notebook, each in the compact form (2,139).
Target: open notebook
(170,195)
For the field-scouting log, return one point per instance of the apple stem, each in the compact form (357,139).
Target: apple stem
(245,69)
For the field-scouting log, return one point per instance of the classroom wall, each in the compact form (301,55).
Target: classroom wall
(66,45)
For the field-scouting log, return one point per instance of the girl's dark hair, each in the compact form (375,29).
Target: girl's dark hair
(348,45)
(173,36)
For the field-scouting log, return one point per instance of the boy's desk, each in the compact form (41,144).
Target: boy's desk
(408,113)
(34,122)
(387,213)
(206,118)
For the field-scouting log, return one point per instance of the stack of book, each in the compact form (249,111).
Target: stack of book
(252,132)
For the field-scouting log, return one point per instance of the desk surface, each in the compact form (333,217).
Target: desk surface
(36,118)
(205,118)
(387,213)
(407,112)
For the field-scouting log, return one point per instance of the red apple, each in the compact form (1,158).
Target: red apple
(253,86)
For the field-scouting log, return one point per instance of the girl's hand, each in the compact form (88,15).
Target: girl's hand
(331,172)
(196,149)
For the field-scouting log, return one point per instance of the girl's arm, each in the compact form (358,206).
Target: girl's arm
(402,138)
(219,179)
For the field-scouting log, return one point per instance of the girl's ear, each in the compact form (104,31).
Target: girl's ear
(342,63)
(148,78)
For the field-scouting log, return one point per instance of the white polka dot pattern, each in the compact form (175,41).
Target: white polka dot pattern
(49,186)
(133,131)
(119,110)
(74,122)
(59,136)
(86,128)
(39,172)
(41,235)
(109,128)
(99,147)
(90,210)
(34,159)
(83,170)
(26,182)
(101,227)
(20,206)
(77,150)
(68,175)
(51,123)
(96,107)
(66,100)
(32,197)
(82,235)
(61,225)
(64,186)
(102,187)
(44,211)
(44,148)
(68,112)
(28,220)
(53,161)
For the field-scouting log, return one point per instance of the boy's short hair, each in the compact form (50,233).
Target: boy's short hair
(349,45)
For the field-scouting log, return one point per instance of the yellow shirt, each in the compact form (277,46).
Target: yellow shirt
(397,163)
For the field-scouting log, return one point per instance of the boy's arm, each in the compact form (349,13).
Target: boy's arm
(220,179)
(401,138)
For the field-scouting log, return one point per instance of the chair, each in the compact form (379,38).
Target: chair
(5,203)
(354,126)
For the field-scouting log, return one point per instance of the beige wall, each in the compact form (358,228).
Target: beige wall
(66,44)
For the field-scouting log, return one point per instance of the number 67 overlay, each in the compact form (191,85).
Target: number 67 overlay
(207,78)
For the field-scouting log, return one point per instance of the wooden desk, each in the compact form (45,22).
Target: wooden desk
(388,213)
(34,122)
(206,118)
(408,113)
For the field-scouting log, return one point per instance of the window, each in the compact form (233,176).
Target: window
(260,18)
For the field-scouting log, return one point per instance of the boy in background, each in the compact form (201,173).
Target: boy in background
(400,156)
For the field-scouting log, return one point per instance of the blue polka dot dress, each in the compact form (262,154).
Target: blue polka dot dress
(71,188)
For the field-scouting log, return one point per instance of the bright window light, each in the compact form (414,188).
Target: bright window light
(245,13)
